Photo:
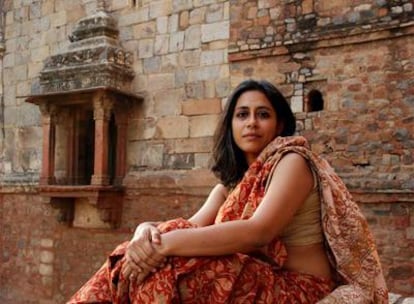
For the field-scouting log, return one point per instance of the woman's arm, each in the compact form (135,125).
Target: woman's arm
(207,213)
(290,185)
(141,256)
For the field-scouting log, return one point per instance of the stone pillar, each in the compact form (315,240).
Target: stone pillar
(121,121)
(47,175)
(102,106)
(72,158)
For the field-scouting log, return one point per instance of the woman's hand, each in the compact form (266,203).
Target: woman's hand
(144,254)
(141,255)
(149,231)
(132,273)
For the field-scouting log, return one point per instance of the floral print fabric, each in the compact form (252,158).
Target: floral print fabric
(236,278)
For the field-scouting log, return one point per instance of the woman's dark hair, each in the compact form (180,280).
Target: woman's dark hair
(228,161)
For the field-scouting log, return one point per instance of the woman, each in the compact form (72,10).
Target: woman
(277,229)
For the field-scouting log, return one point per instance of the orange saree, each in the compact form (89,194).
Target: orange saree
(242,278)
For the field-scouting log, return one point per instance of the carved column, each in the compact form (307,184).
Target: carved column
(47,175)
(72,147)
(121,120)
(102,106)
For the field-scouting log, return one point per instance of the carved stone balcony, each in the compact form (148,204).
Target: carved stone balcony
(84,96)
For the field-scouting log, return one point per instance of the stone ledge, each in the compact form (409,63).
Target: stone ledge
(398,299)
(329,40)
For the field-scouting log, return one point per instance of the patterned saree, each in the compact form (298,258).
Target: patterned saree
(258,278)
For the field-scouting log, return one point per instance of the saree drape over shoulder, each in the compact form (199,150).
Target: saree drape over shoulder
(242,278)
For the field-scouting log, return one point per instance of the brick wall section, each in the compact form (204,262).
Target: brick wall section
(45,261)
(257,25)
(42,260)
(393,227)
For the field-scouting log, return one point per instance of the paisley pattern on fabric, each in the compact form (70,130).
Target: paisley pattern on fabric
(241,278)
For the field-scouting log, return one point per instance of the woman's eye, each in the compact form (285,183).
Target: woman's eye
(242,114)
(263,114)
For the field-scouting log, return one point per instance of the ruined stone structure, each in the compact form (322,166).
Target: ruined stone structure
(108,108)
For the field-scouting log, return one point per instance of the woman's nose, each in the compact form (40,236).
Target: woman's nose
(251,122)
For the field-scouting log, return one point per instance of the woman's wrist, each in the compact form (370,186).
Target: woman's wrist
(163,247)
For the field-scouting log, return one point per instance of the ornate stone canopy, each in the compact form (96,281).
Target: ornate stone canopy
(94,59)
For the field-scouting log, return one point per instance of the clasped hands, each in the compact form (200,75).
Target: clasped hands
(142,256)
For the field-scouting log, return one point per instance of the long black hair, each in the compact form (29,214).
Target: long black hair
(228,161)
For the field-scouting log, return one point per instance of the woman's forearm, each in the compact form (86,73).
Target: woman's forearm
(218,239)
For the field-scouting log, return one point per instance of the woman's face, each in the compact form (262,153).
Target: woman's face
(254,124)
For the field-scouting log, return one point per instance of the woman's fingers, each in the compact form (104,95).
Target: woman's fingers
(144,255)
(148,232)
(155,236)
(141,258)
(145,259)
(140,277)
(141,251)
(147,253)
(129,270)
(132,273)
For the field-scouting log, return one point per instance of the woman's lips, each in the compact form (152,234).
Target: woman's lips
(251,136)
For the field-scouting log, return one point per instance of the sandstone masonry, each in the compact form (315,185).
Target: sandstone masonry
(187,56)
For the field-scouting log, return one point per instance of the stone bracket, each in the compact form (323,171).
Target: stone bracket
(86,206)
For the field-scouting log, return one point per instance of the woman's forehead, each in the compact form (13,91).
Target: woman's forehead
(253,98)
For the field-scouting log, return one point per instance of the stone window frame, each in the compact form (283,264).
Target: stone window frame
(313,101)
(104,189)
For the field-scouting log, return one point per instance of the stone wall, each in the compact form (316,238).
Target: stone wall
(392,226)
(43,260)
(187,56)
(264,24)
(180,59)
(181,64)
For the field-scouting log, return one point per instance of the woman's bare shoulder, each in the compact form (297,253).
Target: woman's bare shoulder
(220,188)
